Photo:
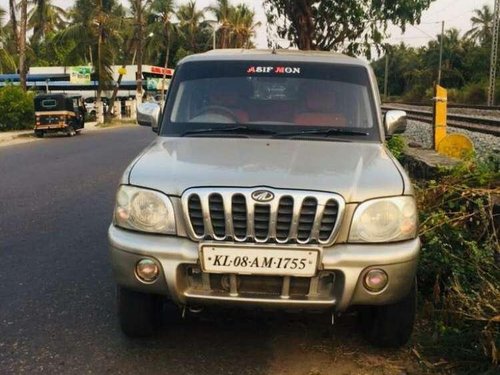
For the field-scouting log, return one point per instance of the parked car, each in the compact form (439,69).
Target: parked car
(58,113)
(91,106)
(269,185)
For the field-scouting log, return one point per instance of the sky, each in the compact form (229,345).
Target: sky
(455,13)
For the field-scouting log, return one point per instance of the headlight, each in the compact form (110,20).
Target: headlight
(385,220)
(144,210)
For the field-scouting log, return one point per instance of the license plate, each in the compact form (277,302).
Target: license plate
(259,261)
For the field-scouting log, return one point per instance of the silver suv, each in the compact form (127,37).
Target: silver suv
(269,185)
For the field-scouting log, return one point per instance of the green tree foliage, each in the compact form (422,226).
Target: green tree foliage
(17,111)
(192,31)
(93,36)
(45,18)
(350,26)
(236,24)
(161,28)
(465,67)
(7,61)
(482,26)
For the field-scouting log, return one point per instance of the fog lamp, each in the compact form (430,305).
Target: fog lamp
(147,270)
(376,280)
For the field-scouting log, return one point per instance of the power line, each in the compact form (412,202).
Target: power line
(424,32)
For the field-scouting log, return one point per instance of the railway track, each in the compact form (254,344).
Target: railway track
(450,105)
(473,123)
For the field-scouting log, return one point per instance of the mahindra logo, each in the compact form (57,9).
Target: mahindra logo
(262,196)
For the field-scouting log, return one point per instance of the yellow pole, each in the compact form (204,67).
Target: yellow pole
(440,115)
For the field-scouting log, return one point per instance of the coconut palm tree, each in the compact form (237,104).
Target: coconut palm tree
(161,29)
(482,25)
(191,26)
(243,26)
(19,29)
(45,17)
(94,36)
(223,13)
(7,61)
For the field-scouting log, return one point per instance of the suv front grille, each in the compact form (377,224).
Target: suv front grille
(226,214)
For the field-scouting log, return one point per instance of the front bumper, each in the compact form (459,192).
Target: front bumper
(346,263)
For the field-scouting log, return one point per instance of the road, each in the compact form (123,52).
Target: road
(57,297)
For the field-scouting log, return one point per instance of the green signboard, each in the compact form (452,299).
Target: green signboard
(80,74)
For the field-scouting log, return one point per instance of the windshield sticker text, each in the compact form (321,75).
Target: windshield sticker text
(273,69)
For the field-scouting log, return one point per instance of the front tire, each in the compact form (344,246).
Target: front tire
(139,313)
(71,131)
(39,133)
(390,326)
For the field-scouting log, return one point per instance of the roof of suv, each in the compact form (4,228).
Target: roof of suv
(274,55)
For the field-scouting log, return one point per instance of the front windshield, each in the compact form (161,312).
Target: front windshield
(282,99)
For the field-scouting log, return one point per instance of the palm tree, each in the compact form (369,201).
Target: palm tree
(161,29)
(482,25)
(243,26)
(190,23)
(94,32)
(7,62)
(19,28)
(223,13)
(45,18)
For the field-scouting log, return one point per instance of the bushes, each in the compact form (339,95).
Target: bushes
(475,93)
(17,111)
(459,270)
(396,144)
(459,276)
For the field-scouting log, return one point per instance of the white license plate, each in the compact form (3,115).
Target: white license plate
(259,261)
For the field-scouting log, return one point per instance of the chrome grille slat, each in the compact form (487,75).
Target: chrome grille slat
(207,221)
(228,216)
(231,214)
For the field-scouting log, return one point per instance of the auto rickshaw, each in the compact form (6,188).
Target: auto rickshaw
(58,113)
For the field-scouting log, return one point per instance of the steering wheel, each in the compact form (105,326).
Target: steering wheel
(219,110)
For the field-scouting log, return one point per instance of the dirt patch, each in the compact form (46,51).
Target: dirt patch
(307,344)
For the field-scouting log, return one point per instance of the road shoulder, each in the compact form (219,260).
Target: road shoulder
(25,136)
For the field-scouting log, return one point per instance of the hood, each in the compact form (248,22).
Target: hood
(358,171)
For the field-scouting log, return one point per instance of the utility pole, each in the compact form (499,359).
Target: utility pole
(139,51)
(441,53)
(164,82)
(22,43)
(386,74)
(494,54)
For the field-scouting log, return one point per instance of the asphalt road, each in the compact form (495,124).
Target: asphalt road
(57,296)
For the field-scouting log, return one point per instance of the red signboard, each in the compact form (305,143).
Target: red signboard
(160,70)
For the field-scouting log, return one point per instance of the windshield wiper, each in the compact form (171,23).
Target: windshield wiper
(242,129)
(322,132)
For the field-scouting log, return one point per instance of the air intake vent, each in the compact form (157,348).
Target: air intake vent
(239,211)
(328,220)
(196,215)
(216,205)
(261,221)
(285,218)
(306,219)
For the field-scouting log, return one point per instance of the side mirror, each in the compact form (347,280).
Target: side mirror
(148,114)
(395,122)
